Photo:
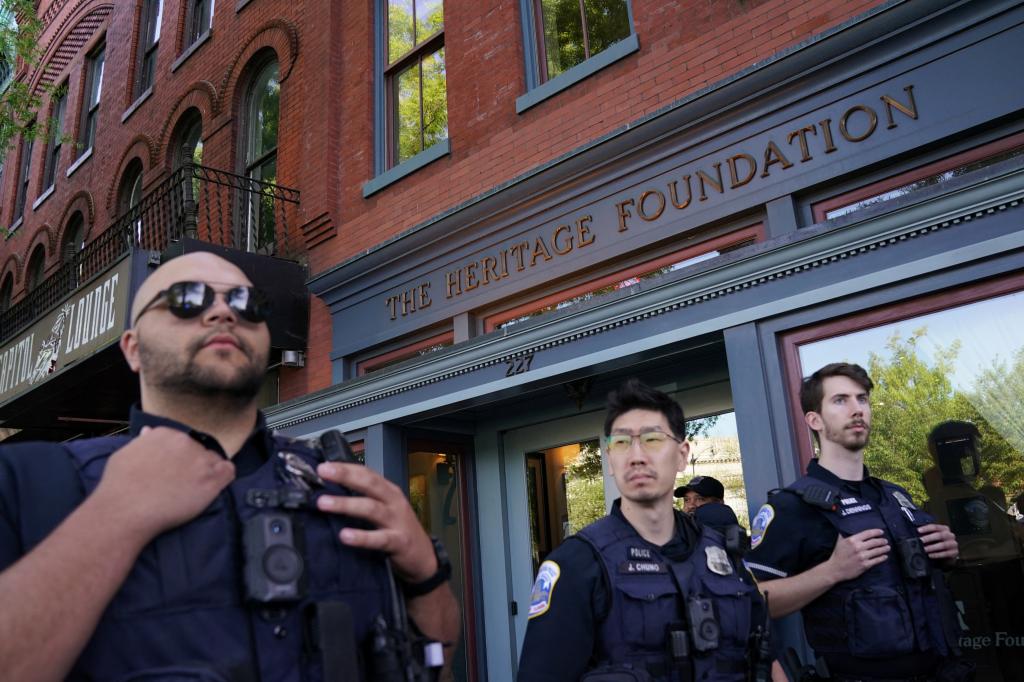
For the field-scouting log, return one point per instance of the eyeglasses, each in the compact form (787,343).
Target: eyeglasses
(650,441)
(189,299)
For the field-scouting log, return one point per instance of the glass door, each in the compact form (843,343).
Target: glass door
(437,490)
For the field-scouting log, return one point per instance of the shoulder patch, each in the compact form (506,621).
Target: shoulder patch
(543,587)
(759,527)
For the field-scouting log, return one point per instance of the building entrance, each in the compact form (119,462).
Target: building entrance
(556,471)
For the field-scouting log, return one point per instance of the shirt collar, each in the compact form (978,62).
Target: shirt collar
(261,436)
(677,534)
(815,470)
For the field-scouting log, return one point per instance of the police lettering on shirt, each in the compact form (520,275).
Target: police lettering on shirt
(641,560)
(540,596)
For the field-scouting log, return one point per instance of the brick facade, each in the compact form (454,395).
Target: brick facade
(326,54)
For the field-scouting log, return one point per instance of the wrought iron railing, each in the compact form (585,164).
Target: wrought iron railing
(195,201)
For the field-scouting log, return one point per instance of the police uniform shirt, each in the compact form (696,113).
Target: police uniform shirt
(42,474)
(789,536)
(560,641)
(718,515)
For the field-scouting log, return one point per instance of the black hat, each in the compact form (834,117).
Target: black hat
(705,486)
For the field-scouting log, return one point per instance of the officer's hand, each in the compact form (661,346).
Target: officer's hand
(163,478)
(397,531)
(939,541)
(857,553)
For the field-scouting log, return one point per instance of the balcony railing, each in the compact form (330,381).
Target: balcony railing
(195,201)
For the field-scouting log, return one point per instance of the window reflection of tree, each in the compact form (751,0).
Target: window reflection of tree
(417,77)
(572,31)
(941,369)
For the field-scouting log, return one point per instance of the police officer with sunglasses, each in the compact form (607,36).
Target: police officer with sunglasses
(645,593)
(202,546)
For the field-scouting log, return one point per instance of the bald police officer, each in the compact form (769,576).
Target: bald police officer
(645,593)
(128,557)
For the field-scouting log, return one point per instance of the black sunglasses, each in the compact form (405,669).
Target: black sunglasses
(189,299)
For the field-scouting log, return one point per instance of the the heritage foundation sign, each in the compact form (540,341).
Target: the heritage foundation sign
(85,323)
(717,174)
(665,198)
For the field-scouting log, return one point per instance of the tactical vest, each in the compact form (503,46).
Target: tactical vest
(181,612)
(881,613)
(646,602)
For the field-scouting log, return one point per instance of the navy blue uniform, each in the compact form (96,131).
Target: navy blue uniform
(881,624)
(606,596)
(181,613)
(718,515)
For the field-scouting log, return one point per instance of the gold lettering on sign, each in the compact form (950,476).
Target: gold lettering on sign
(826,134)
(659,202)
(673,193)
(734,179)
(410,300)
(566,244)
(909,110)
(773,155)
(583,236)
(548,244)
(844,123)
(801,134)
(774,152)
(703,177)
(624,213)
(856,123)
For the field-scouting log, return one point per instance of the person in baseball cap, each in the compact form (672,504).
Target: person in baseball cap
(703,497)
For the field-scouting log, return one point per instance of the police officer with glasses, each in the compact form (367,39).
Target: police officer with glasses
(855,554)
(202,546)
(645,593)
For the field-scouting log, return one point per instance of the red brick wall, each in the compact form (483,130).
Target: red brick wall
(684,46)
(325,50)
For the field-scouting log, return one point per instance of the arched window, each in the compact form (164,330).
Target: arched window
(74,237)
(261,123)
(186,156)
(130,197)
(187,140)
(36,267)
(71,244)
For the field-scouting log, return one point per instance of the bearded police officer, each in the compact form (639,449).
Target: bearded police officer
(202,546)
(854,553)
(645,593)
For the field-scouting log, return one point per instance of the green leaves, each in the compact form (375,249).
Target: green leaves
(913,395)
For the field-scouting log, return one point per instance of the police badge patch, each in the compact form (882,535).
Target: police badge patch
(718,561)
(760,525)
(540,596)
(903,500)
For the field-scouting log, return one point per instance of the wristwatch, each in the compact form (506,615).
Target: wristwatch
(443,573)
